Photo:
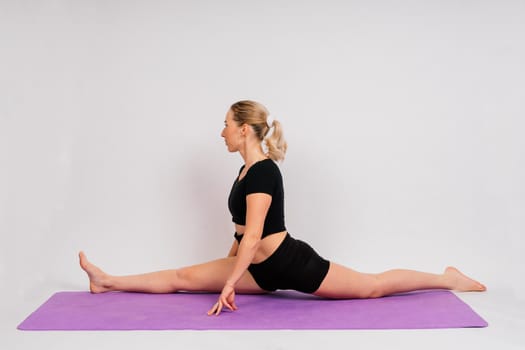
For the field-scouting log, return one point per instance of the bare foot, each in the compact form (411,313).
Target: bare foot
(461,283)
(98,279)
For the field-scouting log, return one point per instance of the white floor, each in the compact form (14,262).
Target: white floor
(503,311)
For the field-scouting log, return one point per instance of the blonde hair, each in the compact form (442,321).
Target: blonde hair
(256,115)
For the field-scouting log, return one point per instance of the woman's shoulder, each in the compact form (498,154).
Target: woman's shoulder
(265,167)
(263,176)
(267,164)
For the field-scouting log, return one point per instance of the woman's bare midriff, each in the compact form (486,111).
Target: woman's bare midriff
(267,246)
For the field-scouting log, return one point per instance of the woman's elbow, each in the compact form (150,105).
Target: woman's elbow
(251,242)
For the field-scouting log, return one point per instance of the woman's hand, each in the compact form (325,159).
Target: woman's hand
(227,298)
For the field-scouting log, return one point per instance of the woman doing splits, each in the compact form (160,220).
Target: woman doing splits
(264,257)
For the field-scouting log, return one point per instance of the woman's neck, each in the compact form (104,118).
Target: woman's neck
(252,155)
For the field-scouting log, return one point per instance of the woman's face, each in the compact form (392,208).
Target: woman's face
(231,133)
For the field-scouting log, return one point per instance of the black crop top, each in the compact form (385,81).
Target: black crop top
(262,177)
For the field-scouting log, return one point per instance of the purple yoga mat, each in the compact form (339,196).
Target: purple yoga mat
(280,310)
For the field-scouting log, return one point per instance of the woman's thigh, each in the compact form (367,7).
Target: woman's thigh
(344,283)
(211,277)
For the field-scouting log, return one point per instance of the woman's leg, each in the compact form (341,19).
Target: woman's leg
(342,282)
(207,277)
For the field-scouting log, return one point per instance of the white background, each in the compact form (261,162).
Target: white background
(404,121)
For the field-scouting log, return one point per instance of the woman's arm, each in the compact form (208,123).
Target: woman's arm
(257,205)
(233,249)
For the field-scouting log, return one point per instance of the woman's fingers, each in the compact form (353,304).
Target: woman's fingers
(216,309)
(218,306)
(226,299)
(231,303)
(234,306)
(228,305)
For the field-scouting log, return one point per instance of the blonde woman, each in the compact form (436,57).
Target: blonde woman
(264,257)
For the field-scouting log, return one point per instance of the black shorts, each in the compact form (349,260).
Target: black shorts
(293,265)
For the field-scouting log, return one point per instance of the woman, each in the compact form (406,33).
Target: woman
(264,257)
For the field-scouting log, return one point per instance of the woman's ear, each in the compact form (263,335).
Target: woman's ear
(244,129)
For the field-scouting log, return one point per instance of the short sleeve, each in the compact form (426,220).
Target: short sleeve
(262,177)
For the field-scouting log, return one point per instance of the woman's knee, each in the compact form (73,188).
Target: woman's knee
(194,278)
(183,278)
(374,288)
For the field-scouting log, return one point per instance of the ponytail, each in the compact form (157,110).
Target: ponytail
(275,143)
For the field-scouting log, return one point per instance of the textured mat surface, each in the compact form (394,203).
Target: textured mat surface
(280,310)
